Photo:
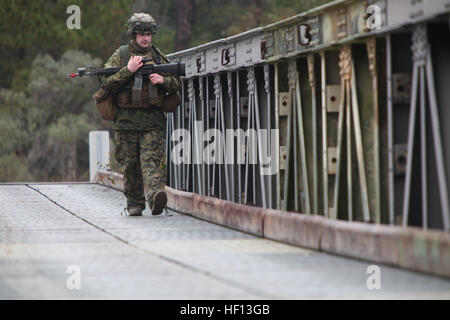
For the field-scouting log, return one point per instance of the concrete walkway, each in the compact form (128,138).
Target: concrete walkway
(53,237)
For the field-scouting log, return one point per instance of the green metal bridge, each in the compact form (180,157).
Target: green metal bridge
(340,112)
(357,90)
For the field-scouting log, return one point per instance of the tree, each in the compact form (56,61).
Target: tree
(47,125)
(185,21)
(29,28)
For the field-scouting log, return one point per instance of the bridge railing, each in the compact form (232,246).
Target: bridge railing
(341,111)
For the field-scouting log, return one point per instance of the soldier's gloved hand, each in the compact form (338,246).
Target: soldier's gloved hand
(156,79)
(134,64)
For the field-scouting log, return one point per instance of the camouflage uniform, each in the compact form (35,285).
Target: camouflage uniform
(139,132)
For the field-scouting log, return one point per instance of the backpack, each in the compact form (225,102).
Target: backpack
(104,102)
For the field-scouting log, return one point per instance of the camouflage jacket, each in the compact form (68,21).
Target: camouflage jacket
(144,119)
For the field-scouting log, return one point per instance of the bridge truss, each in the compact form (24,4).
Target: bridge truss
(358,93)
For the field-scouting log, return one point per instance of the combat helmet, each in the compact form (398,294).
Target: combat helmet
(141,23)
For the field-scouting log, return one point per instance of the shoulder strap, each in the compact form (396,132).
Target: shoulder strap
(160,54)
(125,54)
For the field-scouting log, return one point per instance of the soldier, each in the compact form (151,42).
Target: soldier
(139,125)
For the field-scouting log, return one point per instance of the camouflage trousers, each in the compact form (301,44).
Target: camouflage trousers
(142,160)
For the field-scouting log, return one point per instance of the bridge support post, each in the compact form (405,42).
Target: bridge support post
(423,65)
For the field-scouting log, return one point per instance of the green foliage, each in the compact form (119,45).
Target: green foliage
(34,27)
(30,28)
(49,122)
(70,127)
(164,39)
(217,19)
(13,168)
(13,122)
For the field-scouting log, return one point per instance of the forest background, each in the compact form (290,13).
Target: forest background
(45,118)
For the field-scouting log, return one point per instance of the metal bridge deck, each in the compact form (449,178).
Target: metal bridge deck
(45,228)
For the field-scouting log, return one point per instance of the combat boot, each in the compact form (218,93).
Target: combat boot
(159,202)
(134,211)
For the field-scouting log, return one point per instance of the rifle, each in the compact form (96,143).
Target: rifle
(146,70)
(177,68)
